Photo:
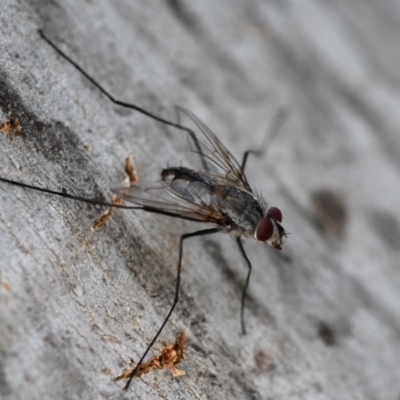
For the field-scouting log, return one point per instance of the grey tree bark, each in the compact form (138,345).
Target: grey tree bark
(323,317)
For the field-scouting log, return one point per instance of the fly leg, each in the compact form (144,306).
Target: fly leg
(118,102)
(272,132)
(246,285)
(176,297)
(71,196)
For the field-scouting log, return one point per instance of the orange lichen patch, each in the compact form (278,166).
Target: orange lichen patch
(130,170)
(5,286)
(107,215)
(170,355)
(11,128)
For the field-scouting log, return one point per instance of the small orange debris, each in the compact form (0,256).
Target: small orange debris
(107,215)
(130,170)
(11,128)
(170,355)
(133,177)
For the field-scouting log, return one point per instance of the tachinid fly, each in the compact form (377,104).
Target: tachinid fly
(217,192)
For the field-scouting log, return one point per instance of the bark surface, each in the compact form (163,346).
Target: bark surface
(76,305)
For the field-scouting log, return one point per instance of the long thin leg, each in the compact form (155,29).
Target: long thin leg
(70,196)
(246,285)
(122,103)
(176,297)
(148,209)
(272,131)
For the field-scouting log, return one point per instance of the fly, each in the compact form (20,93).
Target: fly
(217,193)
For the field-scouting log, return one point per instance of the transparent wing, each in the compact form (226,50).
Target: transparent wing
(195,201)
(219,161)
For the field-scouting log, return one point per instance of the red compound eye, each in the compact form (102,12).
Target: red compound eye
(264,230)
(275,213)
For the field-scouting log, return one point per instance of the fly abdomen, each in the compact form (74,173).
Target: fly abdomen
(180,173)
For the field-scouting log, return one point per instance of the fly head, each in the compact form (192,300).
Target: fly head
(269,230)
